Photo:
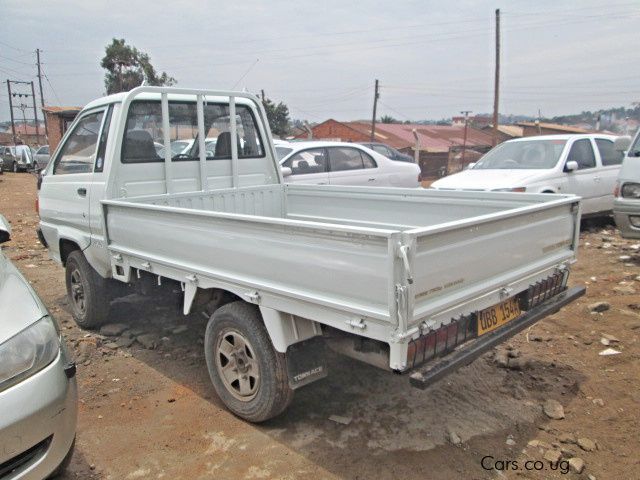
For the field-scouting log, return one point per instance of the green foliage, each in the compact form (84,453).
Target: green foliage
(278,116)
(126,68)
(388,119)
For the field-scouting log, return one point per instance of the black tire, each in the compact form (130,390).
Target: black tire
(87,291)
(60,469)
(271,393)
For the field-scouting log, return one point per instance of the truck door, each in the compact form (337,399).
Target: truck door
(66,189)
(582,182)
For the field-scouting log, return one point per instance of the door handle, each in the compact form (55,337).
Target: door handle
(372,180)
(82,192)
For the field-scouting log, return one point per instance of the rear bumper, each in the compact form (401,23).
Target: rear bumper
(469,351)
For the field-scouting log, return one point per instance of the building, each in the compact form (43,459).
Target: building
(505,132)
(530,129)
(478,121)
(58,121)
(25,133)
(441,147)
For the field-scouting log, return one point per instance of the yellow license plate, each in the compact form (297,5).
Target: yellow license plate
(493,317)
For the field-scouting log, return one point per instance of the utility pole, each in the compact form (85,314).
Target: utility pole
(464,140)
(13,124)
(496,88)
(376,95)
(35,112)
(262,94)
(46,128)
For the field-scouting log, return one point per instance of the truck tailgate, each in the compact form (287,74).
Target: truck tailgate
(457,262)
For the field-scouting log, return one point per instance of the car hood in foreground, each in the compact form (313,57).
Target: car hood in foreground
(488,179)
(19,304)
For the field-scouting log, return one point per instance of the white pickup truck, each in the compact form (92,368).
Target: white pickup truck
(410,280)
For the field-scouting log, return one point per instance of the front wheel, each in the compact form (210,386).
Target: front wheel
(248,374)
(87,292)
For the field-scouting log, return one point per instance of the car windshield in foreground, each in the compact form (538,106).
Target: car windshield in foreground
(283,152)
(634,151)
(533,154)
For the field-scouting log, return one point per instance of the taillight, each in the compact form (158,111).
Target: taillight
(38,206)
(616,190)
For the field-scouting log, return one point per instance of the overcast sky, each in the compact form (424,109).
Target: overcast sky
(433,58)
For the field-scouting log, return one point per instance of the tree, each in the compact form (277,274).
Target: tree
(278,116)
(127,67)
(388,119)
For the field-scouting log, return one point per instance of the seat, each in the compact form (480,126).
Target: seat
(139,147)
(303,167)
(223,146)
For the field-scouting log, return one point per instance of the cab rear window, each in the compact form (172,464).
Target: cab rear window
(144,138)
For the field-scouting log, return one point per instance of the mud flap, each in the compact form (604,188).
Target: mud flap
(306,362)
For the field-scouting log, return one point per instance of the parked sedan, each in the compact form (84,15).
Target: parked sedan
(16,158)
(41,157)
(337,163)
(585,165)
(38,393)
(388,151)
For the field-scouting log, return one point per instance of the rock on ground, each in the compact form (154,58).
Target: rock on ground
(553,409)
(576,464)
(113,329)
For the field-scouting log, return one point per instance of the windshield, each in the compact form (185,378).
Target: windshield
(283,152)
(634,151)
(528,154)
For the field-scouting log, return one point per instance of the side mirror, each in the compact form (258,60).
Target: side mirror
(5,230)
(571,166)
(621,144)
(286,171)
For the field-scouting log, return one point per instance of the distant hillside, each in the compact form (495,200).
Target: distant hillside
(614,119)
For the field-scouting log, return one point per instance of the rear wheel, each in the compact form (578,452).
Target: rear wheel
(248,374)
(87,292)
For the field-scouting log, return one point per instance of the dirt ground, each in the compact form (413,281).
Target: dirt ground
(152,413)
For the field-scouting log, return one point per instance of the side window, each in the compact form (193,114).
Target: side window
(99,167)
(78,153)
(45,150)
(608,154)
(382,150)
(582,153)
(313,160)
(367,161)
(344,158)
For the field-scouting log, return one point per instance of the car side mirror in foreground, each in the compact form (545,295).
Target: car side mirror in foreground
(5,230)
(286,171)
(621,144)
(571,166)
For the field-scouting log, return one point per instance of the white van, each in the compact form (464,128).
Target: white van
(626,206)
(585,165)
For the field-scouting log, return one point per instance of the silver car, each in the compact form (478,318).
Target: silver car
(38,392)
